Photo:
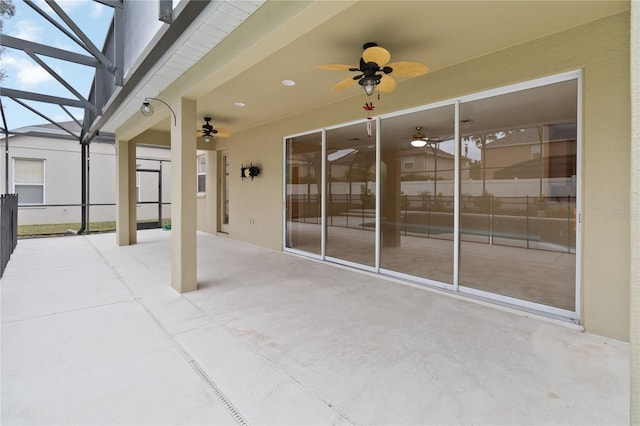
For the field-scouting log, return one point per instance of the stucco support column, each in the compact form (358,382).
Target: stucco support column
(634,316)
(183,197)
(126,217)
(392,199)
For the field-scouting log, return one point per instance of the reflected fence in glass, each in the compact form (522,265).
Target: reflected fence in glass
(305,208)
(544,223)
(352,205)
(427,216)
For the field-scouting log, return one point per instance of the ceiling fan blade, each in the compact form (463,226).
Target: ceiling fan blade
(408,69)
(336,67)
(376,54)
(223,133)
(344,84)
(387,84)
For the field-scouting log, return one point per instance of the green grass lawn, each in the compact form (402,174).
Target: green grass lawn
(63,228)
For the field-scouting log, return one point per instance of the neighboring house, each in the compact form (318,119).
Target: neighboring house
(431,162)
(45,171)
(541,159)
(548,152)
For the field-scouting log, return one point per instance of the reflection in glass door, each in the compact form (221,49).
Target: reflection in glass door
(518,206)
(351,195)
(303,193)
(491,214)
(417,185)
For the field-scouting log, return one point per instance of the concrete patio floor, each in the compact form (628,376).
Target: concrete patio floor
(93,333)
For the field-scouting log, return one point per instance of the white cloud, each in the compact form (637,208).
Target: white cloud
(26,73)
(96,10)
(64,45)
(44,6)
(69,5)
(61,118)
(84,14)
(28,30)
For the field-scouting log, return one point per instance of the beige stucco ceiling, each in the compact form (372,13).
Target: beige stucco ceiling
(286,40)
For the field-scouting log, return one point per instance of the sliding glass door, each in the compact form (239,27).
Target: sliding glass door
(417,182)
(351,195)
(477,195)
(303,178)
(518,203)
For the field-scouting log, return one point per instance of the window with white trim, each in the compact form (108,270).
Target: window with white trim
(407,162)
(535,151)
(28,180)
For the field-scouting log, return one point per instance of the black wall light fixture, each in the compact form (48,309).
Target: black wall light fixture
(147,110)
(251,171)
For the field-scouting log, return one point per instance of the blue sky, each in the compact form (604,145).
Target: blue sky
(24,74)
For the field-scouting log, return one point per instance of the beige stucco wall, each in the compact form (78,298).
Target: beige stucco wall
(600,49)
(255,206)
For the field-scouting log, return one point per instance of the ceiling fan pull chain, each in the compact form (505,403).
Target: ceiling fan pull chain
(368,107)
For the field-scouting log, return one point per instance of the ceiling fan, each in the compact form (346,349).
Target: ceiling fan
(419,140)
(375,69)
(208,131)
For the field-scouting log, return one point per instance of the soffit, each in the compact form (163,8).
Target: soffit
(216,21)
(437,33)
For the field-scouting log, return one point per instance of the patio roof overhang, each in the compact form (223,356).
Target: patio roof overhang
(286,40)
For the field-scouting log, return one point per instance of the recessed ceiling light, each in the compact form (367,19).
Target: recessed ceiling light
(240,104)
(288,83)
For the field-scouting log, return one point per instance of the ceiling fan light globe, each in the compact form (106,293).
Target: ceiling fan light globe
(418,143)
(206,138)
(369,85)
(146,109)
(368,89)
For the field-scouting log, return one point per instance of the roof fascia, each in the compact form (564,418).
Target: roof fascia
(182,21)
